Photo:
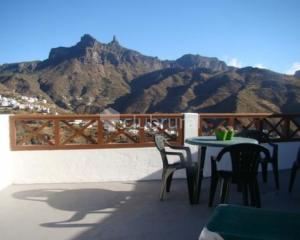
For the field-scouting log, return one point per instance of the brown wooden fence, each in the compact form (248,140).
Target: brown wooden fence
(46,132)
(279,127)
(38,132)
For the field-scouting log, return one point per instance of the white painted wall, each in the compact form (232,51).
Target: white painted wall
(93,165)
(5,160)
(88,165)
(191,130)
(287,154)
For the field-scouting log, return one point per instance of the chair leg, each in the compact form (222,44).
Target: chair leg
(245,194)
(166,173)
(225,190)
(162,186)
(264,170)
(252,194)
(292,178)
(276,173)
(257,195)
(190,177)
(169,181)
(213,188)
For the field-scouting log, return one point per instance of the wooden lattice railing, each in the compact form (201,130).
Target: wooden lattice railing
(279,127)
(38,132)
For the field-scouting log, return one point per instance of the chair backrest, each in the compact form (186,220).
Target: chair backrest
(245,158)
(260,136)
(159,141)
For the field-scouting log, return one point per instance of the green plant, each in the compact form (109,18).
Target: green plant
(221,133)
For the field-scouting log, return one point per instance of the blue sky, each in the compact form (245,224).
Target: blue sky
(262,33)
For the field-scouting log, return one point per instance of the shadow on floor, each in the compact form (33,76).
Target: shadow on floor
(80,201)
(135,213)
(132,211)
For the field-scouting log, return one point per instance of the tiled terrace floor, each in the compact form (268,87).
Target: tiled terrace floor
(123,210)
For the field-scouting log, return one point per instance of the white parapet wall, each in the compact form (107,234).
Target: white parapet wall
(87,165)
(5,157)
(191,130)
(93,165)
(287,154)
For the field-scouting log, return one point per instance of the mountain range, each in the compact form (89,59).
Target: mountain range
(92,76)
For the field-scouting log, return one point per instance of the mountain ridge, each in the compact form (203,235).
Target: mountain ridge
(91,76)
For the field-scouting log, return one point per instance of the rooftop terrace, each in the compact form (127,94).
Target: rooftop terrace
(117,210)
(47,165)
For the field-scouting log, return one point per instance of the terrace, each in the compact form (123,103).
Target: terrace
(96,177)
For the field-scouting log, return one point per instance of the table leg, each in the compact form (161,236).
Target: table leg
(199,174)
(190,173)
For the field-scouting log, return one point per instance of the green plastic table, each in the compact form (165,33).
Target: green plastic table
(246,223)
(209,141)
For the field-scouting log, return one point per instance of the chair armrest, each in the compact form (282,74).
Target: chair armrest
(174,153)
(184,148)
(177,154)
(178,147)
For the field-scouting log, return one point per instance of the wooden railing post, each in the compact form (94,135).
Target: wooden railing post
(286,127)
(259,123)
(56,132)
(180,129)
(142,130)
(12,132)
(231,121)
(100,131)
(200,126)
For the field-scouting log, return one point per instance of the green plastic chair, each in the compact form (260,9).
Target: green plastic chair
(263,138)
(169,168)
(245,159)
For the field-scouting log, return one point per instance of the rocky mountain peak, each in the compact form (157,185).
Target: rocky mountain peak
(115,41)
(87,41)
(60,54)
(198,61)
(114,45)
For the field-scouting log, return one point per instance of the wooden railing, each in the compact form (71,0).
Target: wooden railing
(46,132)
(38,132)
(279,127)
